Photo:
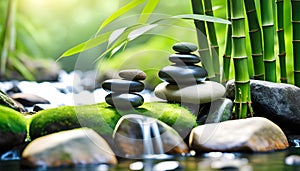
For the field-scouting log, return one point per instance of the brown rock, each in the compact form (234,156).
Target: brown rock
(130,136)
(133,74)
(68,148)
(252,134)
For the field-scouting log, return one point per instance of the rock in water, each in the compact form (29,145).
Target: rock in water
(122,86)
(9,102)
(29,100)
(185,47)
(133,74)
(176,74)
(252,134)
(12,128)
(138,136)
(68,148)
(275,101)
(204,92)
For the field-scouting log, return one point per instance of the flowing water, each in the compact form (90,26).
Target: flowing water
(273,161)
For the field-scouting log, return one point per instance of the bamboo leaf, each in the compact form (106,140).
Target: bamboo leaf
(86,45)
(140,31)
(120,12)
(202,18)
(148,9)
(115,35)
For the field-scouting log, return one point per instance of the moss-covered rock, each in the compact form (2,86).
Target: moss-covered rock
(103,118)
(12,128)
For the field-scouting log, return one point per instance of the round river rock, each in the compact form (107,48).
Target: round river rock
(124,101)
(133,74)
(180,58)
(185,47)
(204,92)
(176,74)
(122,86)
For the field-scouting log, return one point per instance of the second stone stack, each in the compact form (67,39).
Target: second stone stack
(124,91)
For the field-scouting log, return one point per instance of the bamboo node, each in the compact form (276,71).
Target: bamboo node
(296,71)
(254,30)
(280,30)
(283,54)
(257,55)
(295,22)
(240,57)
(227,56)
(270,60)
(296,41)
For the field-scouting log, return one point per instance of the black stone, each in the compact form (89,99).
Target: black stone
(28,100)
(122,86)
(185,47)
(180,58)
(124,101)
(176,74)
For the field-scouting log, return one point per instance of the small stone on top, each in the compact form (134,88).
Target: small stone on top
(185,47)
(132,74)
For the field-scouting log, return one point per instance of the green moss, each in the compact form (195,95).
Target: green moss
(103,118)
(11,120)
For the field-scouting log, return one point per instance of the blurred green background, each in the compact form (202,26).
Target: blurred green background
(49,27)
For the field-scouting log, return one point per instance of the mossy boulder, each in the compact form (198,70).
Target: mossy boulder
(103,118)
(13,128)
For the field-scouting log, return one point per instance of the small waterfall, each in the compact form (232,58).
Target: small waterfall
(10,155)
(297,143)
(151,137)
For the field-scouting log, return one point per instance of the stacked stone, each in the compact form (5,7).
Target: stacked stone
(184,81)
(124,91)
(184,71)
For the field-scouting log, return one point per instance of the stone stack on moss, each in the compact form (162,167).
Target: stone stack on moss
(124,90)
(185,81)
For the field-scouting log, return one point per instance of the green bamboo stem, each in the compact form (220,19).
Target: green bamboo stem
(281,40)
(255,39)
(267,17)
(213,39)
(242,82)
(9,35)
(204,50)
(296,40)
(228,48)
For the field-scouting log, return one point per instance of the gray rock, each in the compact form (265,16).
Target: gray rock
(185,47)
(204,92)
(81,146)
(276,101)
(9,102)
(29,100)
(292,160)
(124,101)
(180,58)
(252,134)
(139,136)
(183,74)
(219,111)
(133,74)
(122,86)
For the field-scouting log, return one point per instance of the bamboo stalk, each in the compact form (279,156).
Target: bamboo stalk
(242,82)
(255,39)
(267,17)
(9,35)
(281,40)
(213,39)
(204,51)
(296,40)
(228,48)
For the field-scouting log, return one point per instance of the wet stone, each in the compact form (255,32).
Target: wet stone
(180,58)
(122,86)
(133,74)
(185,47)
(124,101)
(29,100)
(176,74)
